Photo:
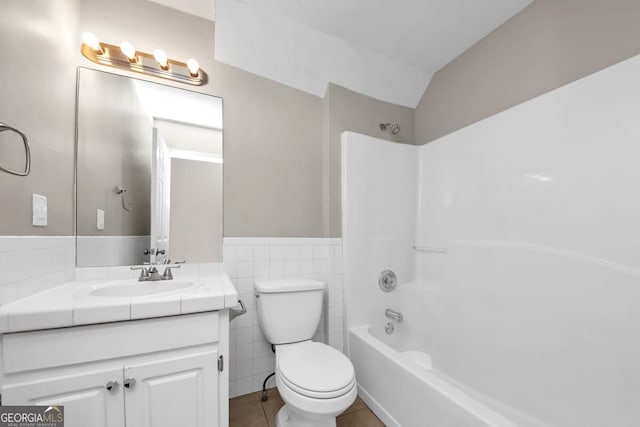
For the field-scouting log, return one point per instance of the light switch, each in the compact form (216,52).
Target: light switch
(100,219)
(39,210)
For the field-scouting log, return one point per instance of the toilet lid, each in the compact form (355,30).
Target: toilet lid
(315,369)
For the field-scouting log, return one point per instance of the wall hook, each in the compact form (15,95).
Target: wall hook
(121,190)
(27,167)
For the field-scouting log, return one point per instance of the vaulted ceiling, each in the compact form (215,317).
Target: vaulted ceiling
(387,49)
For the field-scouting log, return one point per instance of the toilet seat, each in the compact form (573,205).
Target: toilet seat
(315,394)
(315,370)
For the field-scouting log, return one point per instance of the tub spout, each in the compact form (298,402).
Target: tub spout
(394,315)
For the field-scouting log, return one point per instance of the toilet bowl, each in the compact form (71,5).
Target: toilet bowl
(316,381)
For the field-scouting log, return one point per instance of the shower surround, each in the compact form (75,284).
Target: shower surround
(524,291)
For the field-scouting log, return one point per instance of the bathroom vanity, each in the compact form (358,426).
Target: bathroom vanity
(156,359)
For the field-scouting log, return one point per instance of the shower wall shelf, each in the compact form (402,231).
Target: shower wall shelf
(430,249)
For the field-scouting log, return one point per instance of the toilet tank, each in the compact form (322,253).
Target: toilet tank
(289,310)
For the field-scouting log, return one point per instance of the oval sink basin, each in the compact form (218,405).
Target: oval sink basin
(130,289)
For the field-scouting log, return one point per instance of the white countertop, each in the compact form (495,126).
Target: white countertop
(72,304)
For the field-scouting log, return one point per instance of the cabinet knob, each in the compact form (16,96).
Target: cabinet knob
(112,385)
(129,383)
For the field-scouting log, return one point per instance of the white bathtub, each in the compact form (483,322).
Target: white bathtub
(403,390)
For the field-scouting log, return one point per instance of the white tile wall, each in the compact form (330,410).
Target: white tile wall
(30,264)
(33,264)
(336,299)
(248,259)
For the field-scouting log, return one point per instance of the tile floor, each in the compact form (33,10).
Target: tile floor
(250,411)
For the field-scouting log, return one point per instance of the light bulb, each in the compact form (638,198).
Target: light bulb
(161,57)
(129,51)
(92,41)
(193,67)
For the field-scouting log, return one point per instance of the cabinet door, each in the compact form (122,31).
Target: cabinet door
(181,391)
(85,397)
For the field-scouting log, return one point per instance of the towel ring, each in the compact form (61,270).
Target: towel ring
(25,141)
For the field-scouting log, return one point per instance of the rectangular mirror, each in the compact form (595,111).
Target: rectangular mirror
(148,172)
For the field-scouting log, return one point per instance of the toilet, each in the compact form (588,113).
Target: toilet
(316,381)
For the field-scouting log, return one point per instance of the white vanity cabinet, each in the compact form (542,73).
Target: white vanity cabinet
(160,372)
(173,392)
(84,396)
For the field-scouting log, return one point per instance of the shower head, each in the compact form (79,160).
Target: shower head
(394,128)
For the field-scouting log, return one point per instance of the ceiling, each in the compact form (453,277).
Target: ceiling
(424,33)
(387,49)
(202,8)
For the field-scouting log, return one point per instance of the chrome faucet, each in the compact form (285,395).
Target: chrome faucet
(394,315)
(151,274)
(144,273)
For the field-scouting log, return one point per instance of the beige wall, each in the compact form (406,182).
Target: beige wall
(282,149)
(196,222)
(272,157)
(548,44)
(273,134)
(348,110)
(281,145)
(38,40)
(114,149)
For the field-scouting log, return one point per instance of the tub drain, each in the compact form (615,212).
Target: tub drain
(389,328)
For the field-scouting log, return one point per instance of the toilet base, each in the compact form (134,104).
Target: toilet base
(291,418)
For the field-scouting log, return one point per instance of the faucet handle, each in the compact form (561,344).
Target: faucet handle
(168,261)
(144,272)
(168,275)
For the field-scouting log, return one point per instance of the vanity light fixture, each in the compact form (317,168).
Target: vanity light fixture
(126,57)
(129,51)
(92,42)
(193,67)
(162,59)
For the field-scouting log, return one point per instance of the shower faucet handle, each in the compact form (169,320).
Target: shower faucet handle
(394,315)
(387,281)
